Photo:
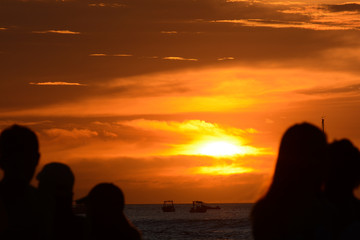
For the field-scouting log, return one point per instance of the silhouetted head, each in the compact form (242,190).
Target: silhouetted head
(344,167)
(19,153)
(105,200)
(56,179)
(301,161)
(104,211)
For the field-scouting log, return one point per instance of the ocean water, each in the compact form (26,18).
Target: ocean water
(229,222)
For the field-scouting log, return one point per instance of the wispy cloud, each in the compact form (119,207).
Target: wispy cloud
(26,123)
(283,24)
(73,133)
(281,3)
(355,88)
(180,59)
(190,127)
(302,15)
(186,126)
(122,55)
(110,55)
(3,28)
(225,58)
(110,134)
(242,1)
(98,55)
(346,20)
(57,84)
(113,5)
(169,32)
(58,32)
(334,17)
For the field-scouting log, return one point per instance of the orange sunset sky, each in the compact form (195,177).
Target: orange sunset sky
(177,99)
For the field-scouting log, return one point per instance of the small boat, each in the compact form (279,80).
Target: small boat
(168,206)
(198,207)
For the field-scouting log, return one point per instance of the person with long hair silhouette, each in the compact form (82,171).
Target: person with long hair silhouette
(293,207)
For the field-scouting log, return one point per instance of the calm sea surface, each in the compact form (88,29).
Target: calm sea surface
(230,222)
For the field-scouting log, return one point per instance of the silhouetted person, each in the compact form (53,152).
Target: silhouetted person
(56,182)
(105,206)
(293,207)
(343,178)
(19,156)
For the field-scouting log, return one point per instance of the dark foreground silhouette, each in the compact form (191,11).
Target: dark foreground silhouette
(311,195)
(343,178)
(19,202)
(105,206)
(56,182)
(46,212)
(293,207)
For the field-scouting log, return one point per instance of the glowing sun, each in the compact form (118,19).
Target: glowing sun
(223,149)
(219,148)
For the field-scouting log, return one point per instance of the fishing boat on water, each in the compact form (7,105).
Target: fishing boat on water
(198,207)
(168,206)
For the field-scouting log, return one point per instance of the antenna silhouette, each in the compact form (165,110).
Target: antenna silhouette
(323,123)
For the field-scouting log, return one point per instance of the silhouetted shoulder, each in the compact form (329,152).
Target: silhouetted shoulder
(133,234)
(23,213)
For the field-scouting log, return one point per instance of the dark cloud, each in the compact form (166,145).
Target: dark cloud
(347,7)
(355,88)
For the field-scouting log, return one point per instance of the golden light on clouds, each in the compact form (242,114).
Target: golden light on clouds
(231,89)
(180,59)
(110,55)
(58,32)
(122,55)
(97,55)
(74,133)
(221,170)
(203,138)
(169,32)
(56,84)
(277,24)
(112,5)
(225,58)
